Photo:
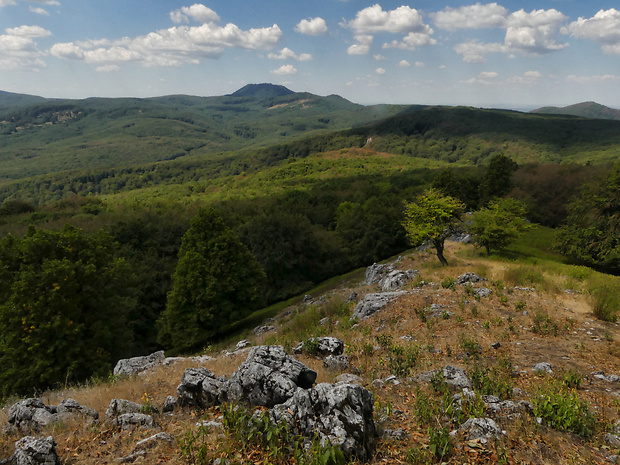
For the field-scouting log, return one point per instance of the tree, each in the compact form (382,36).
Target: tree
(495,226)
(497,179)
(591,234)
(432,216)
(64,298)
(217,282)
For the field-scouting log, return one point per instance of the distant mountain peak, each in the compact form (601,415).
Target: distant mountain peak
(264,90)
(584,110)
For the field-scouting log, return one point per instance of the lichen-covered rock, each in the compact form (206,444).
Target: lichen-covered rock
(469,278)
(543,367)
(454,376)
(119,407)
(372,303)
(32,415)
(170,404)
(375,272)
(324,346)
(269,376)
(396,279)
(339,414)
(135,420)
(336,362)
(35,451)
(481,429)
(135,365)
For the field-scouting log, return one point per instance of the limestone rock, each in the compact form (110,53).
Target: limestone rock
(119,407)
(375,272)
(372,303)
(480,428)
(340,414)
(268,377)
(337,362)
(135,420)
(135,365)
(36,451)
(396,279)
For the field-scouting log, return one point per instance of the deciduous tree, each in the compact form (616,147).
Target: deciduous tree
(434,217)
(495,226)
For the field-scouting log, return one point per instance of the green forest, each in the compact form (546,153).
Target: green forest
(132,225)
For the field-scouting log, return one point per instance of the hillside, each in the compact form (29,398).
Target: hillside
(497,330)
(59,135)
(583,110)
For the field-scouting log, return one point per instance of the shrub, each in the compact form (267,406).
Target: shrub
(563,410)
(605,300)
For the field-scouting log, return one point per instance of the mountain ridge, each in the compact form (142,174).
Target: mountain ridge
(588,109)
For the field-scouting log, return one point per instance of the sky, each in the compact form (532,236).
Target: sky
(509,54)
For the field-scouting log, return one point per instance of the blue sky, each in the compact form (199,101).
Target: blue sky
(510,54)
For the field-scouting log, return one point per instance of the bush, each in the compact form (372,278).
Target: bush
(563,410)
(605,300)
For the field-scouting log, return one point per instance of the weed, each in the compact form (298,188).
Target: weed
(419,456)
(402,359)
(495,381)
(147,406)
(474,311)
(520,305)
(440,442)
(570,378)
(449,283)
(439,384)
(470,345)
(311,346)
(486,325)
(543,325)
(605,300)
(384,341)
(562,409)
(445,315)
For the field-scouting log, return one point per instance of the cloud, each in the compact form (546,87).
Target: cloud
(533,33)
(108,68)
(380,71)
(285,70)
(420,64)
(476,16)
(484,78)
(379,57)
(288,54)
(4,3)
(39,11)
(529,77)
(196,12)
(364,41)
(312,26)
(412,41)
(373,19)
(603,27)
(174,46)
(403,20)
(19,50)
(573,79)
(474,51)
(404,64)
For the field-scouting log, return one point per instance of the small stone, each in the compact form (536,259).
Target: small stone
(543,367)
(496,345)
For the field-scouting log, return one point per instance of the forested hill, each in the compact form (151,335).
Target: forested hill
(583,110)
(46,136)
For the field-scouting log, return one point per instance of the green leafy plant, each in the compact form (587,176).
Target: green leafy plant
(562,409)
(449,283)
(440,442)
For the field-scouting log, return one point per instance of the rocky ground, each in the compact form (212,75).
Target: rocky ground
(461,370)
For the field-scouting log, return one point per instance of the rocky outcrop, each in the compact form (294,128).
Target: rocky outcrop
(453,376)
(268,377)
(35,451)
(339,414)
(324,346)
(31,415)
(199,387)
(134,365)
(375,272)
(481,429)
(396,279)
(372,303)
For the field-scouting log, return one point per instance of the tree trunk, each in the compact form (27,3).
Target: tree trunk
(438,244)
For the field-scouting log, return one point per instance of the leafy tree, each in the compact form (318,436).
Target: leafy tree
(216,283)
(497,179)
(591,234)
(62,313)
(495,226)
(432,216)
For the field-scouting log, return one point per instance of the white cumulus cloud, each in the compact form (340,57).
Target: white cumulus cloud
(476,16)
(287,54)
(19,49)
(404,64)
(312,26)
(603,27)
(380,71)
(597,79)
(38,10)
(173,46)
(285,70)
(474,51)
(196,12)
(402,20)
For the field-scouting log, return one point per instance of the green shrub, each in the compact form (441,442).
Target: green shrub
(494,381)
(563,410)
(440,442)
(449,283)
(605,300)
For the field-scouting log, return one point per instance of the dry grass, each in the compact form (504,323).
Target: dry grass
(545,324)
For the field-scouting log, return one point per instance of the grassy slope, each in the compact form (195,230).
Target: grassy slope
(542,325)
